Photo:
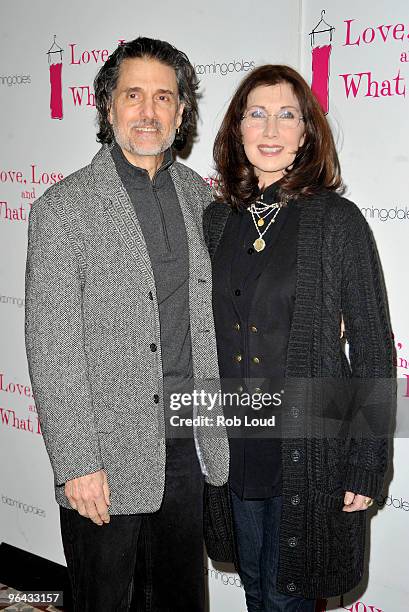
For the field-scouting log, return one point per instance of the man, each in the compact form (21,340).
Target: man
(118,317)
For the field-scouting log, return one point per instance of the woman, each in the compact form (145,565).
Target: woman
(293,264)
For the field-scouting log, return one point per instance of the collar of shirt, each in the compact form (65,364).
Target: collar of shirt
(270,193)
(139,176)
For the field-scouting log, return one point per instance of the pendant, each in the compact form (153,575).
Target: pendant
(259,244)
(260,222)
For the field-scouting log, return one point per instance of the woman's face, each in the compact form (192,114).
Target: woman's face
(271,143)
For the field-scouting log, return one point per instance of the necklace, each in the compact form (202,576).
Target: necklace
(260,211)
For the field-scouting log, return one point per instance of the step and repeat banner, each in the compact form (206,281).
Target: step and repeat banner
(356,55)
(50,54)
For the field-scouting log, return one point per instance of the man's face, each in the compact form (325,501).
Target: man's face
(145,110)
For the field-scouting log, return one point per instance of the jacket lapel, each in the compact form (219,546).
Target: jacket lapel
(119,208)
(193,223)
(121,212)
(306,316)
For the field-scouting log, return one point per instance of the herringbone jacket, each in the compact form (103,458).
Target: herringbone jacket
(91,315)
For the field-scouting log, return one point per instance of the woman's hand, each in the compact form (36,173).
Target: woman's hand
(355,502)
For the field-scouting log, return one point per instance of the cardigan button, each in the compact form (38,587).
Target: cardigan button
(295,412)
(237,292)
(295,500)
(296,456)
(254,329)
(150,296)
(256,360)
(236,326)
(250,251)
(257,390)
(292,542)
(240,389)
(291,587)
(156,398)
(238,358)
(153,347)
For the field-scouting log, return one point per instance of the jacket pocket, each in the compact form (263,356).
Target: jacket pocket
(335,539)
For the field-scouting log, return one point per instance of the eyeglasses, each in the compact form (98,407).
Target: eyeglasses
(256,117)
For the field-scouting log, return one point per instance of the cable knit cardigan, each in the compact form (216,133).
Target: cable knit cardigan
(338,272)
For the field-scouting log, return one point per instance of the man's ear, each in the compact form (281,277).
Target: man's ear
(179,114)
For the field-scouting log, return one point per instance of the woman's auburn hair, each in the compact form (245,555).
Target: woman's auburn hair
(316,163)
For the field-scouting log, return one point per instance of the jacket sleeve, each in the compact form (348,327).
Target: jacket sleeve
(371,354)
(54,336)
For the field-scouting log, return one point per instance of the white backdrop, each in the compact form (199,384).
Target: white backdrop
(224,41)
(372,134)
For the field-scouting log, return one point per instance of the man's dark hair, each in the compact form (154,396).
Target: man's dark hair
(107,78)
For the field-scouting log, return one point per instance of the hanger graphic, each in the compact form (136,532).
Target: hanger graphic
(55,48)
(321,27)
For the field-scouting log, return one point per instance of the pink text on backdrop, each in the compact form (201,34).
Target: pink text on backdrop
(365,84)
(83,96)
(382,33)
(89,56)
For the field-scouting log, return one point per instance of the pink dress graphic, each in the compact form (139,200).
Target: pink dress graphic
(321,63)
(56,91)
(55,68)
(320,75)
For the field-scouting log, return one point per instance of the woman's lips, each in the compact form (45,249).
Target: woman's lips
(270,150)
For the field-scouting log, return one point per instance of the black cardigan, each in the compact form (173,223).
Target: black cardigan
(338,272)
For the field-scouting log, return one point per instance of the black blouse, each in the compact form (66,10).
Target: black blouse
(253,300)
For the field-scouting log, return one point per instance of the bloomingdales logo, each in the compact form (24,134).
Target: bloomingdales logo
(19,505)
(15,301)
(396,502)
(15,79)
(224,68)
(386,214)
(226,579)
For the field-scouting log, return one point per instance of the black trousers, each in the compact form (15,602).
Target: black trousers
(152,562)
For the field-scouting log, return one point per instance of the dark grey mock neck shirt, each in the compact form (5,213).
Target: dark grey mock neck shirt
(160,216)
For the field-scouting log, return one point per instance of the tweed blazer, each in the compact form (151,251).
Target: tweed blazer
(91,315)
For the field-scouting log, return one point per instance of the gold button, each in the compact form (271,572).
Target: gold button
(254,329)
(238,357)
(236,326)
(256,360)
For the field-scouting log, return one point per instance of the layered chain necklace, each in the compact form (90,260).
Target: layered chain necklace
(260,213)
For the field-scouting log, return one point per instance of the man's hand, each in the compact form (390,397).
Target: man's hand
(89,495)
(356,502)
